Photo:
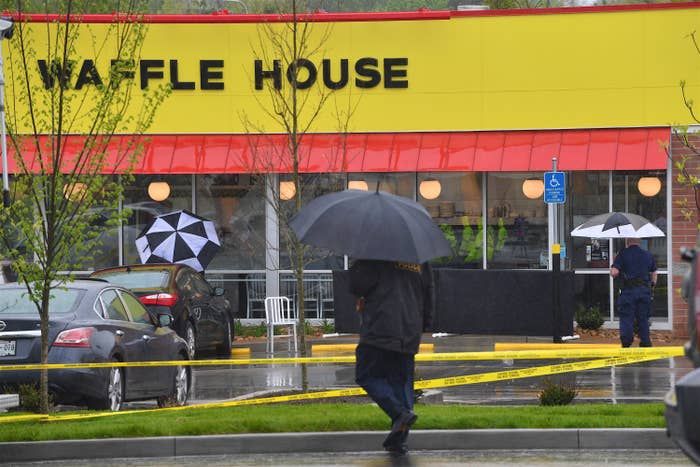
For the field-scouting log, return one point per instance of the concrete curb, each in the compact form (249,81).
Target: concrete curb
(349,441)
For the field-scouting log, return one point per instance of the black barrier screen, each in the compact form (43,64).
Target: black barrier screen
(496,302)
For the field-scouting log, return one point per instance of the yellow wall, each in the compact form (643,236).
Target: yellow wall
(602,69)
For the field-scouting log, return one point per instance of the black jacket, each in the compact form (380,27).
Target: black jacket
(398,303)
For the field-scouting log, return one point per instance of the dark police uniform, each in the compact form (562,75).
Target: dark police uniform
(634,303)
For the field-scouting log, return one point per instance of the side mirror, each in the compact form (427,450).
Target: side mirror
(164,320)
(219,291)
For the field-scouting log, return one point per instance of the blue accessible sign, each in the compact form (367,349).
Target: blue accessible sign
(554,187)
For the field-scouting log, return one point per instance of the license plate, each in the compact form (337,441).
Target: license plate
(8,348)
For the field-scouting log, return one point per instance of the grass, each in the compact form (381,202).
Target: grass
(334,417)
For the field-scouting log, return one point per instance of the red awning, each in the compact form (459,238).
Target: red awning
(492,151)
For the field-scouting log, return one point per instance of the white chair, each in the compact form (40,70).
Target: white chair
(278,312)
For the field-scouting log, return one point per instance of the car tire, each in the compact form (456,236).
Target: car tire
(114,397)
(224,349)
(181,389)
(190,336)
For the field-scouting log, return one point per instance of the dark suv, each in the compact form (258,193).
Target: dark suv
(683,401)
(201,313)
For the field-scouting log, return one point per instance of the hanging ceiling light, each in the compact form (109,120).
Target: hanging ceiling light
(159,191)
(287,190)
(533,188)
(430,188)
(649,186)
(358,185)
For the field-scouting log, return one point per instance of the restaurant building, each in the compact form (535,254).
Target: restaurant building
(461,111)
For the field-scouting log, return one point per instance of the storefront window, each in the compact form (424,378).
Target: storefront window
(454,202)
(593,291)
(516,224)
(627,197)
(589,197)
(144,208)
(312,186)
(236,205)
(402,184)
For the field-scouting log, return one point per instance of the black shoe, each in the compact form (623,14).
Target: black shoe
(398,450)
(645,344)
(400,426)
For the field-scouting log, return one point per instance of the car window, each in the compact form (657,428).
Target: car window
(16,300)
(184,282)
(137,311)
(114,308)
(98,308)
(200,285)
(137,279)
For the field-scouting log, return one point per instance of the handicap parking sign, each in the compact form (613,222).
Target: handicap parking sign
(554,187)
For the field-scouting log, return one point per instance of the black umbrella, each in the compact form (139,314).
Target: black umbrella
(371,225)
(179,237)
(617,225)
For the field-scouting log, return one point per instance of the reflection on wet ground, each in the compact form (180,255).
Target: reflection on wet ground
(647,381)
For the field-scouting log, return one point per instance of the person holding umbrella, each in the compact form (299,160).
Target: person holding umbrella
(395,237)
(637,269)
(395,304)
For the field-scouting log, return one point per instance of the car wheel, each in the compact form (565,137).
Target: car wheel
(181,389)
(191,340)
(225,348)
(114,398)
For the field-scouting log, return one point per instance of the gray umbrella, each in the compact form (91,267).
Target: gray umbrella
(371,225)
(617,225)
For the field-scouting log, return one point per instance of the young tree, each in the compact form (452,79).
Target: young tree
(70,91)
(293,102)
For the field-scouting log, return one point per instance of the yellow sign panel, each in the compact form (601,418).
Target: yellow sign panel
(535,71)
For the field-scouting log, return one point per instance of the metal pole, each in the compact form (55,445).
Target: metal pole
(556,267)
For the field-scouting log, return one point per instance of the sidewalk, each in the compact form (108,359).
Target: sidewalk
(353,441)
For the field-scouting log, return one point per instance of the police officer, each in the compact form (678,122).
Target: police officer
(637,269)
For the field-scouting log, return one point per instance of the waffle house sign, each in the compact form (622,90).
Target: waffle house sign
(422,71)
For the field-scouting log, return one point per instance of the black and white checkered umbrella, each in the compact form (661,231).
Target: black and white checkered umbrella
(179,237)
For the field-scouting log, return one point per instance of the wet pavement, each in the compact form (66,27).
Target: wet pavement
(642,382)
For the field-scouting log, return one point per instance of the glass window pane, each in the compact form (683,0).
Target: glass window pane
(516,224)
(659,307)
(589,196)
(454,202)
(144,209)
(236,204)
(593,290)
(318,294)
(312,186)
(402,184)
(627,197)
(114,307)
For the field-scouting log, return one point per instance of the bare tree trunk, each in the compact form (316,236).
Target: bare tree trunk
(44,378)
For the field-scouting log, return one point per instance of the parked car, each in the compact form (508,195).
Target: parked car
(683,401)
(93,321)
(201,313)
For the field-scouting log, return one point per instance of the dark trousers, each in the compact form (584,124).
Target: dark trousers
(387,377)
(634,304)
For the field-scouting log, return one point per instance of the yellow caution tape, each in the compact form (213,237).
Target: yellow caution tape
(550,345)
(570,352)
(352,347)
(422,384)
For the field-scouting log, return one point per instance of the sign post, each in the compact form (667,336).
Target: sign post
(555,194)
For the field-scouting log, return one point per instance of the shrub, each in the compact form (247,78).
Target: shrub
(556,393)
(588,317)
(30,397)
